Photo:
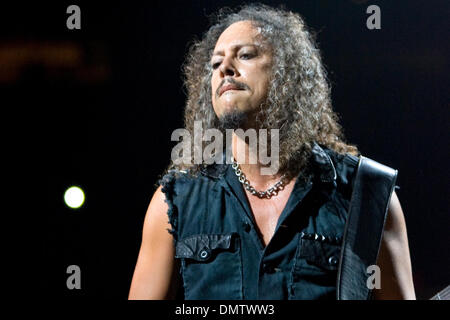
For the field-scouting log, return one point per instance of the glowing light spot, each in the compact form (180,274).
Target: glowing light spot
(74,197)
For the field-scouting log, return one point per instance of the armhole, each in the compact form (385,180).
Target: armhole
(167,183)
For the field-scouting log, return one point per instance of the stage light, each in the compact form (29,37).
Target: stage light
(74,197)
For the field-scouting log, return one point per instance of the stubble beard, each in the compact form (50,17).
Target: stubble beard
(233,119)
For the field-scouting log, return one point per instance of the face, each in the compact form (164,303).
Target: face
(241,67)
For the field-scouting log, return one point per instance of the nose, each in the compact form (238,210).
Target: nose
(227,68)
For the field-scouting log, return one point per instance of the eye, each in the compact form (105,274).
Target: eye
(246,56)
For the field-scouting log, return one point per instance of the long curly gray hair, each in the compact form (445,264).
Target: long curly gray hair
(298,100)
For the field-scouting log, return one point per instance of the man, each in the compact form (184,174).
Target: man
(235,233)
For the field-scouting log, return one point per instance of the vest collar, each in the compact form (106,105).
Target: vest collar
(323,167)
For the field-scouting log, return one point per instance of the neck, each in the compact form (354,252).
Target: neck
(248,160)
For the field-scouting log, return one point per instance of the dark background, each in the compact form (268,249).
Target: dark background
(102,102)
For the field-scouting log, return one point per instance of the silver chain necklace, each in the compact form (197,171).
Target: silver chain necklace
(269,193)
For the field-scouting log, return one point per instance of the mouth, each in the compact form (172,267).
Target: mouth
(228,87)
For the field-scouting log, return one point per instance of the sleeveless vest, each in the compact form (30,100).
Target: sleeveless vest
(222,256)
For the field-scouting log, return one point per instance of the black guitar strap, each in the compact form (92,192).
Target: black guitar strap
(372,190)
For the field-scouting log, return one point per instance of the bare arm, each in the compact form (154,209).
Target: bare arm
(394,259)
(155,274)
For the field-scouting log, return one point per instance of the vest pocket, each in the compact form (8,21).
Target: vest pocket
(314,272)
(211,266)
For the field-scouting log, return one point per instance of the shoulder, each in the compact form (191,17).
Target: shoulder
(181,185)
(204,174)
(186,193)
